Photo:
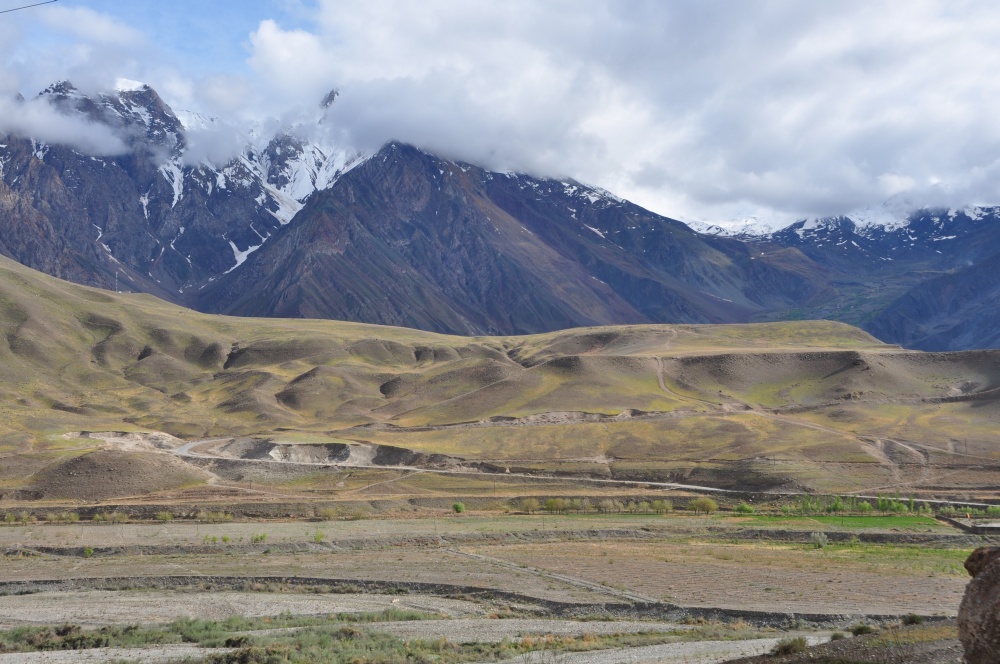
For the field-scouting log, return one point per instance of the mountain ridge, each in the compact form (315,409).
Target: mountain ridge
(298,228)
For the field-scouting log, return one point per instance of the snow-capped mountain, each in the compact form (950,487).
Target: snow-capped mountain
(176,226)
(294,225)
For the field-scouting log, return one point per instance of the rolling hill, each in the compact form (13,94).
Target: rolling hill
(798,405)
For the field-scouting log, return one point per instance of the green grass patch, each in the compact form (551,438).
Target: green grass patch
(852,522)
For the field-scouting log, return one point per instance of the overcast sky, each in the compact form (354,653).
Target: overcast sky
(697,109)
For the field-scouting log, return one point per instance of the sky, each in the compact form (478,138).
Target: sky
(705,110)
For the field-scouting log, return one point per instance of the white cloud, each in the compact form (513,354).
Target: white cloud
(89,25)
(37,119)
(702,109)
(706,109)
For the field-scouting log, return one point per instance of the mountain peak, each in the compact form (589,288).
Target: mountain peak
(128,85)
(330,97)
(60,89)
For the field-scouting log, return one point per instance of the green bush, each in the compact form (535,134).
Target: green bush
(861,629)
(530,505)
(703,504)
(88,552)
(553,505)
(913,619)
(791,646)
(458,507)
(258,538)
(818,540)
(663,506)
(164,516)
(744,508)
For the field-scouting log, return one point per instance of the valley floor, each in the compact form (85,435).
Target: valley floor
(674,588)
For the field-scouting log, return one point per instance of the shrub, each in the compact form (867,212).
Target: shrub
(530,505)
(663,506)
(164,516)
(607,506)
(703,504)
(553,505)
(258,538)
(837,636)
(744,508)
(864,507)
(458,507)
(861,629)
(88,552)
(319,537)
(791,646)
(9,517)
(913,619)
(328,513)
(818,540)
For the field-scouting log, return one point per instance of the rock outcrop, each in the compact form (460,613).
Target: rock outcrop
(979,614)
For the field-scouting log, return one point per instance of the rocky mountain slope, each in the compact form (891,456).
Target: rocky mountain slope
(148,218)
(926,281)
(295,226)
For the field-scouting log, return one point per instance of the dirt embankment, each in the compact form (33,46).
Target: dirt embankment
(341,454)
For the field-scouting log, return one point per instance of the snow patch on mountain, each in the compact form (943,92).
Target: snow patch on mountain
(128,85)
(241,256)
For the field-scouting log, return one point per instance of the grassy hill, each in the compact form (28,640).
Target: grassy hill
(816,404)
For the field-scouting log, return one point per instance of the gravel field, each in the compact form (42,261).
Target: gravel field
(98,607)
(493,631)
(695,652)
(157,655)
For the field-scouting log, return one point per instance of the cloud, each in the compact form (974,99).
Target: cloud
(89,25)
(705,109)
(696,108)
(38,120)
(217,143)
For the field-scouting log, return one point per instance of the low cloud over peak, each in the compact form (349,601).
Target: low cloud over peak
(711,110)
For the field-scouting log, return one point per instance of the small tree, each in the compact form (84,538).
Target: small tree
(818,540)
(530,505)
(553,505)
(458,507)
(703,504)
(744,508)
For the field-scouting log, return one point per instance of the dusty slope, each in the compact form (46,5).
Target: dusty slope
(728,404)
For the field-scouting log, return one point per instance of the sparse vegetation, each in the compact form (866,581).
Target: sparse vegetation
(818,540)
(791,646)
